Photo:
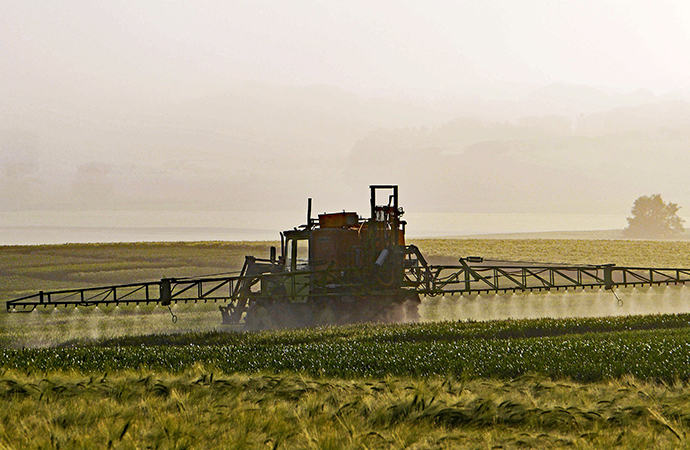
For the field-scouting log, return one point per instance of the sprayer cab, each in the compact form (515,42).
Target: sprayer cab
(347,243)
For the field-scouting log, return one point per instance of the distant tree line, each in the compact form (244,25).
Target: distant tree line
(653,218)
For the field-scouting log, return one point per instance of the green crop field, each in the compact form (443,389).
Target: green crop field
(571,370)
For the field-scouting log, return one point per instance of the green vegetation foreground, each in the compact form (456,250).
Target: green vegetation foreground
(508,384)
(646,347)
(200,409)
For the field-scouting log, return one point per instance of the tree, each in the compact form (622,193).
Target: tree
(653,218)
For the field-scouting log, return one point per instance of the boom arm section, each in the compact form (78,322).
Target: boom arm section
(262,278)
(473,275)
(233,289)
(164,292)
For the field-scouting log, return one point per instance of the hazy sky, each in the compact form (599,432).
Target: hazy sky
(248,104)
(175,49)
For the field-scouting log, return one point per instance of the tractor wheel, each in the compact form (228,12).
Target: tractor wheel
(258,318)
(291,315)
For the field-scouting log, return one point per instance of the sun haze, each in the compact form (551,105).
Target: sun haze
(479,107)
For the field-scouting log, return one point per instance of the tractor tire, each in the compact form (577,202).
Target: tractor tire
(258,318)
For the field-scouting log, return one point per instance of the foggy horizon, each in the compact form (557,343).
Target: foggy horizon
(478,108)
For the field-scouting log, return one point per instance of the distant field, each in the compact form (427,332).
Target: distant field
(578,251)
(583,235)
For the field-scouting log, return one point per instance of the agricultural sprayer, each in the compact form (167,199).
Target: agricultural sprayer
(341,268)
